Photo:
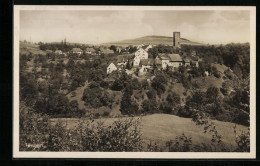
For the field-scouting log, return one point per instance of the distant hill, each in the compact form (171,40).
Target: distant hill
(154,40)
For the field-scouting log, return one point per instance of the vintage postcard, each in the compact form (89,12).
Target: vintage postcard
(134,82)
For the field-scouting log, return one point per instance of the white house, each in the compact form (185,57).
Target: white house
(59,52)
(77,51)
(90,50)
(140,54)
(187,62)
(136,62)
(164,60)
(112,67)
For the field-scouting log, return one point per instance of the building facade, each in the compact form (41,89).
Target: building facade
(140,54)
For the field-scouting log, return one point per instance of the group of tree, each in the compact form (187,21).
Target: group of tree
(235,56)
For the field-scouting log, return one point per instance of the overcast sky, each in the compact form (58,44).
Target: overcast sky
(213,27)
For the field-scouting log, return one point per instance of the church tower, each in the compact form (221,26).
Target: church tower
(176,39)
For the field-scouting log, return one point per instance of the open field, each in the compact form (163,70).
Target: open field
(164,127)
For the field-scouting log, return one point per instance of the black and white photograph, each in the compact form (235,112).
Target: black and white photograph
(134,82)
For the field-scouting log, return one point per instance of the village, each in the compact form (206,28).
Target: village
(138,60)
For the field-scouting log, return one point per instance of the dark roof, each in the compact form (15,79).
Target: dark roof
(175,57)
(147,62)
(144,47)
(122,58)
(76,50)
(164,56)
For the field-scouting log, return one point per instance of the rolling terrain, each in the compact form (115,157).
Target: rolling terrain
(164,127)
(154,40)
(28,48)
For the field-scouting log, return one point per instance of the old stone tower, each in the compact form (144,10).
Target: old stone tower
(176,39)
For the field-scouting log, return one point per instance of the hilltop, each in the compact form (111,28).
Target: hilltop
(154,40)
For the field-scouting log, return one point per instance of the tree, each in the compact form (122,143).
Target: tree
(95,97)
(128,65)
(157,83)
(127,105)
(150,106)
(121,82)
(173,99)
(212,94)
(112,47)
(28,89)
(153,52)
(73,106)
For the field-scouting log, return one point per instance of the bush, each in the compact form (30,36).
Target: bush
(104,84)
(97,115)
(149,106)
(184,112)
(243,141)
(33,128)
(181,144)
(95,97)
(106,113)
(173,99)
(120,136)
(127,105)
(216,74)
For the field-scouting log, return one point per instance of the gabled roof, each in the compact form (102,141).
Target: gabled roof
(106,51)
(164,56)
(112,65)
(187,60)
(145,46)
(90,50)
(76,50)
(122,58)
(49,51)
(139,50)
(175,57)
(157,61)
(147,62)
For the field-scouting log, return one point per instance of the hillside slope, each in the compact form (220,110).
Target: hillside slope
(28,48)
(154,40)
(164,127)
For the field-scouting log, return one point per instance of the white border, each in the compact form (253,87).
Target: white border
(145,155)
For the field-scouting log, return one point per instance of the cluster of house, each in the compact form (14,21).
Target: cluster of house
(79,51)
(91,50)
(141,61)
